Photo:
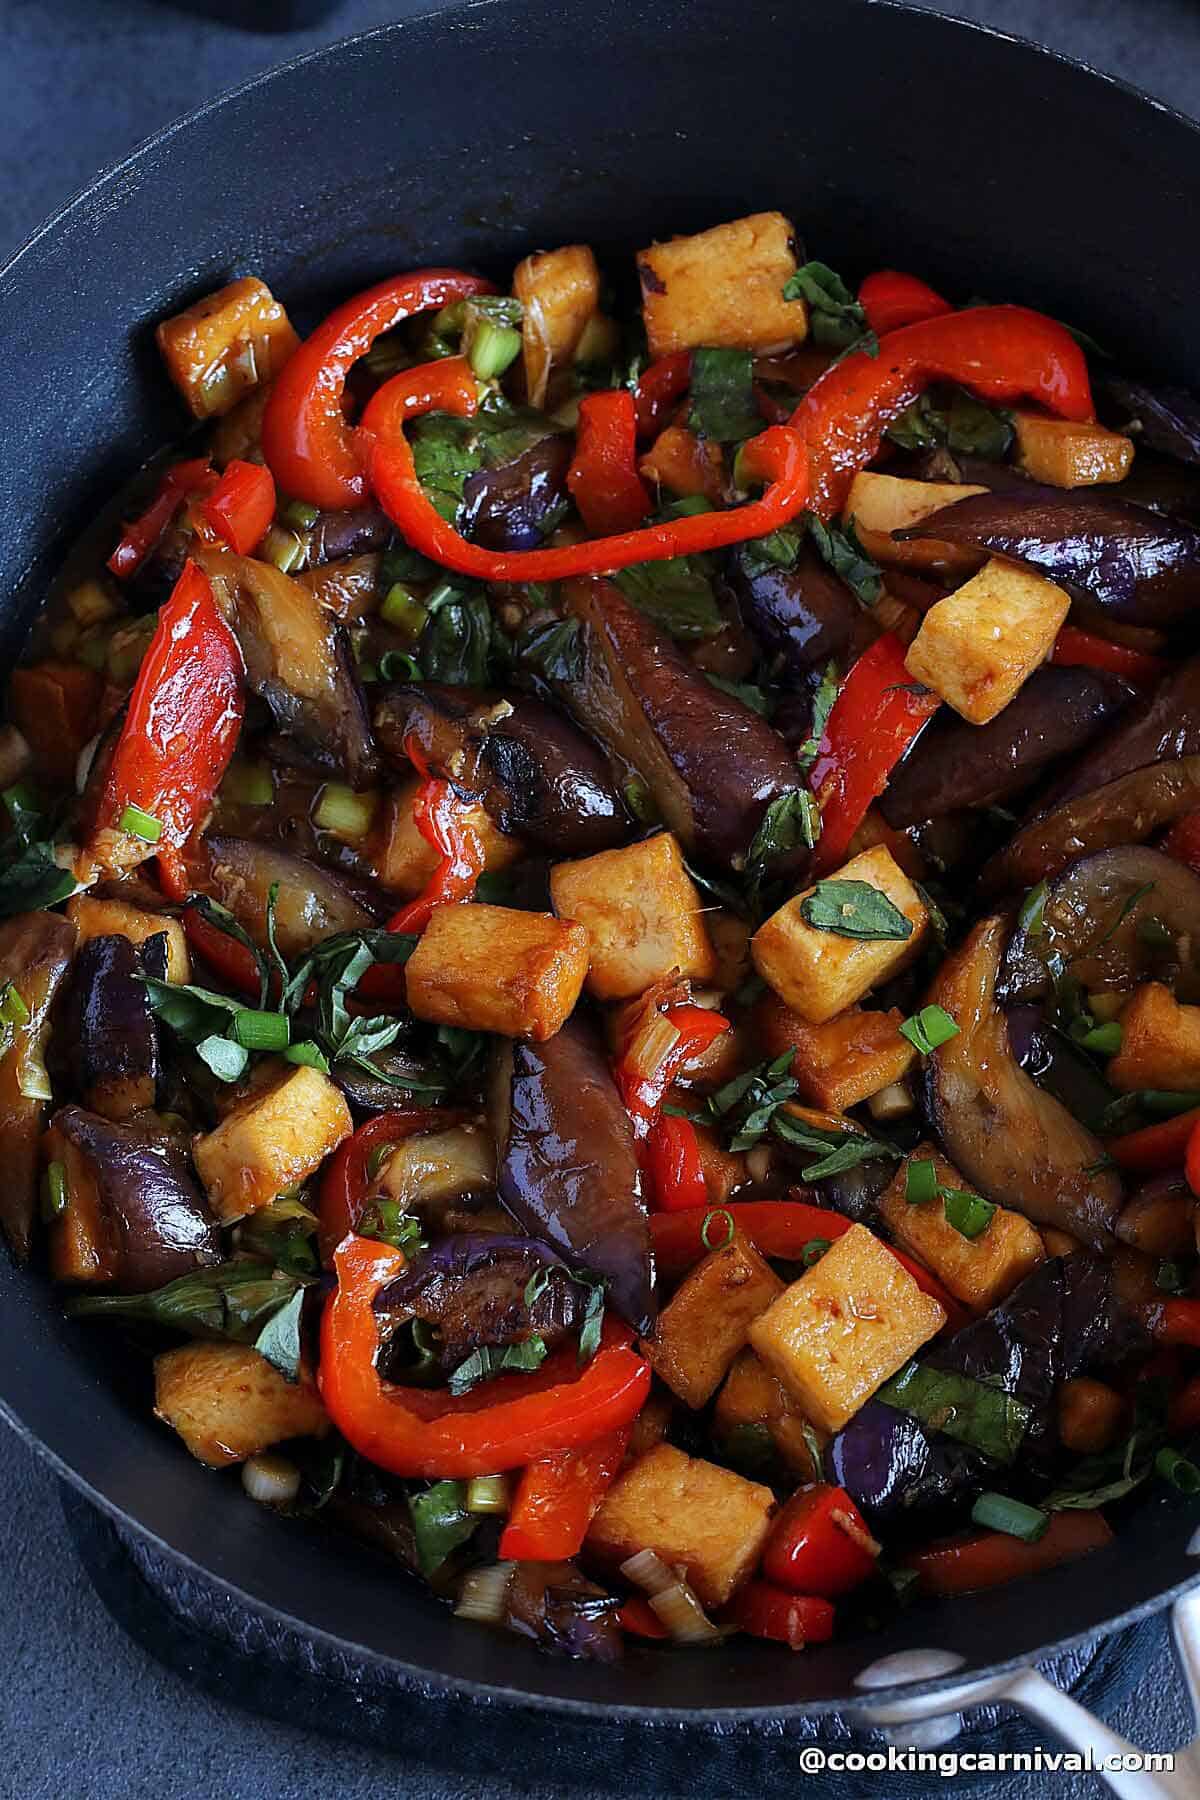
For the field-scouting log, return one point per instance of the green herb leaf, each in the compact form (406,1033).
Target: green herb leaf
(279,1339)
(553,651)
(745,1107)
(928,1029)
(971,1412)
(230,1300)
(962,424)
(844,554)
(823,700)
(309,1054)
(226,1059)
(592,1323)
(837,1151)
(387,1222)
(488,1361)
(1032,917)
(462,644)
(748,692)
(791,822)
(676,594)
(32,881)
(777,550)
(836,320)
(1097,1480)
(441,1523)
(855,909)
(722,396)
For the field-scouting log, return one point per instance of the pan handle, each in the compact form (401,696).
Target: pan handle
(1031,1693)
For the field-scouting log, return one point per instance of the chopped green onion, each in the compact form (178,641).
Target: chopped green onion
(920,1182)
(640,801)
(999,1512)
(689,507)
(140,824)
(248,784)
(54,1191)
(13,1009)
(396,665)
(343,812)
(1166,1105)
(1105,1040)
(261,1030)
(814,1250)
(493,347)
(301,514)
(1176,1469)
(308,1053)
(1032,917)
(718,1212)
(969,1214)
(487,1494)
(404,609)
(929,1028)
(283,548)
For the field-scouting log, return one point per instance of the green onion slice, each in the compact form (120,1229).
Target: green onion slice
(140,824)
(999,1512)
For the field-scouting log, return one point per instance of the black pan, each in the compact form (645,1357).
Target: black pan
(892,137)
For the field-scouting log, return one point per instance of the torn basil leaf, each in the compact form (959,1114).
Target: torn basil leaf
(836,1151)
(279,1339)
(676,595)
(230,1300)
(971,1412)
(745,1107)
(441,1523)
(461,644)
(722,396)
(748,692)
(791,822)
(553,651)
(855,909)
(836,320)
(488,1361)
(823,699)
(841,550)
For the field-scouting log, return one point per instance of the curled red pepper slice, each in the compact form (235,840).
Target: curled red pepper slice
(557,1500)
(307,443)
(140,535)
(891,299)
(347,1178)
(659,388)
(608,492)
(440,817)
(676,1167)
(502,1424)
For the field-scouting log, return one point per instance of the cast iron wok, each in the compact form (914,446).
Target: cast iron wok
(471,137)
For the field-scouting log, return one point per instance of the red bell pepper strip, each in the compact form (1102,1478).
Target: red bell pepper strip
(140,535)
(659,388)
(173,874)
(1183,841)
(1002,353)
(308,445)
(1078,649)
(347,1178)
(643,1095)
(819,1544)
(438,815)
(792,1619)
(1155,1148)
(874,719)
(180,730)
(891,299)
(777,456)
(639,1618)
(985,1559)
(557,1499)
(676,1168)
(603,481)
(241,506)
(502,1424)
(233,961)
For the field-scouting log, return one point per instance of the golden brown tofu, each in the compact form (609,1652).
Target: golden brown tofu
(1160,1043)
(403,862)
(843,1061)
(652,1423)
(723,288)
(432,1170)
(847,1325)
(751,1397)
(270,1141)
(730,939)
(226,345)
(688,1512)
(227,1402)
(684,464)
(820,973)
(978,1271)
(559,291)
(643,914)
(702,1328)
(881,504)
(493,968)
(1067,454)
(978,646)
(117,918)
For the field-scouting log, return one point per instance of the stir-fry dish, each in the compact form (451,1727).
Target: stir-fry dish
(600,949)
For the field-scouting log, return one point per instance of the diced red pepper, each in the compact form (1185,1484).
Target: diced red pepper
(347,1178)
(241,506)
(891,299)
(643,1095)
(1155,1148)
(638,1617)
(819,1544)
(676,1166)
(1183,841)
(502,1424)
(557,1499)
(440,817)
(233,961)
(603,480)
(1075,648)
(659,388)
(984,1559)
(792,1619)
(872,722)
(139,537)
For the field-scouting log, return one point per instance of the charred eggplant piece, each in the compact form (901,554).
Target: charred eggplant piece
(1136,565)
(312,904)
(35,953)
(1166,418)
(1127,811)
(568,1168)
(133,1195)
(298,659)
(339,534)
(470,1291)
(1050,1059)
(897,1471)
(954,764)
(1157,728)
(107,1041)
(562,1610)
(1094,920)
(1012,1142)
(712,765)
(514,505)
(803,613)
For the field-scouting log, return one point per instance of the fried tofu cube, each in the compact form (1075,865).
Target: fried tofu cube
(684,464)
(752,1399)
(227,1402)
(117,918)
(437,1167)
(723,288)
(836,1335)
(978,646)
(1067,453)
(978,1271)
(559,291)
(1160,1043)
(688,1512)
(643,913)
(881,504)
(270,1141)
(493,968)
(652,1423)
(819,973)
(702,1328)
(226,345)
(843,1061)
(403,862)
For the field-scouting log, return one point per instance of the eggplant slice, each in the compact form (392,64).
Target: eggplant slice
(106,1041)
(312,904)
(35,954)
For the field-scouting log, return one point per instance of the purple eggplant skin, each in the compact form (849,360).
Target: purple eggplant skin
(471,1290)
(1135,565)
(1050,1059)
(353,533)
(804,613)
(1167,419)
(562,1610)
(568,1167)
(899,1473)
(954,764)
(160,1224)
(35,954)
(106,1038)
(1160,727)
(514,505)
(312,904)
(712,764)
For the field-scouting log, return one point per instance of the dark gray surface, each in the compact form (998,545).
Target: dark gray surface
(81,1710)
